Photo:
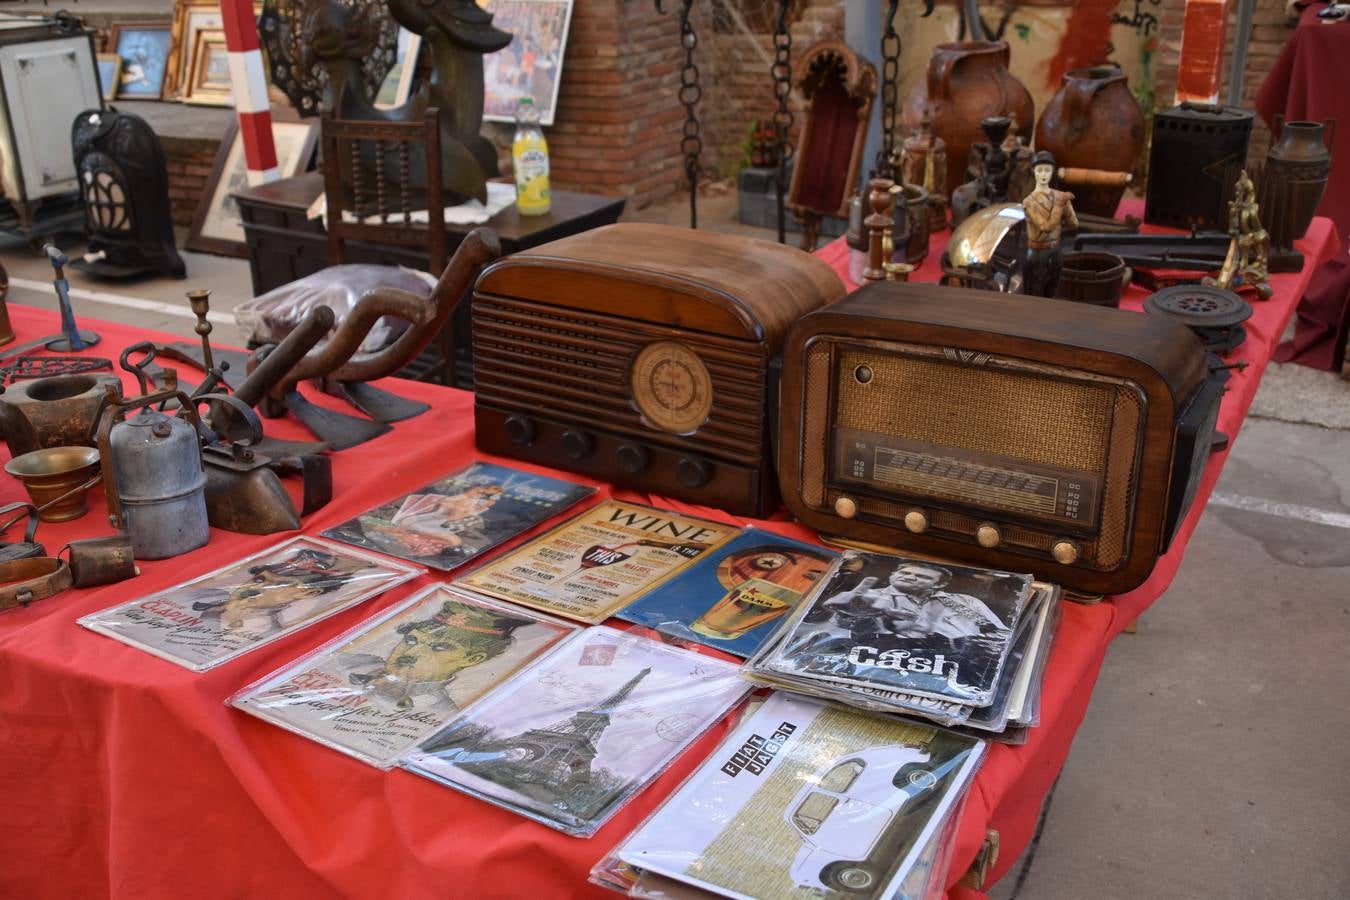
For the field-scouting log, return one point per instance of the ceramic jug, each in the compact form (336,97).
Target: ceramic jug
(967,81)
(1093,122)
(1297,168)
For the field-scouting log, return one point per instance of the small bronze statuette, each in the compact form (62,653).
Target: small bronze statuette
(1248,260)
(1048,213)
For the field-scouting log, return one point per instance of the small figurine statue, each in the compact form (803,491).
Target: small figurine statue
(990,169)
(1048,213)
(1248,260)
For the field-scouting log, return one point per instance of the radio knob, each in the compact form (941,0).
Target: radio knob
(916,520)
(988,535)
(846,507)
(1066,552)
(577,444)
(519,430)
(692,473)
(631,458)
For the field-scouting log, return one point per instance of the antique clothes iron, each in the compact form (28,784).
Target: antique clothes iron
(125,188)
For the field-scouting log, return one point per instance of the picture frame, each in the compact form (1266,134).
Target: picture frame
(397,85)
(218,226)
(532,63)
(208,82)
(109,67)
(144,48)
(190,17)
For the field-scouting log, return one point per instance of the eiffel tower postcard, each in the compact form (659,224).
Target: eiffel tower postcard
(568,740)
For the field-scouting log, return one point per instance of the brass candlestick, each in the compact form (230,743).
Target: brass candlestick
(200,301)
(878,227)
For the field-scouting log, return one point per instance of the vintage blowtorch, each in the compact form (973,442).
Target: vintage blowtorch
(74,339)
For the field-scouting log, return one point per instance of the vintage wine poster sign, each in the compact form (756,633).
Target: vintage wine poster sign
(808,800)
(448,522)
(733,597)
(568,740)
(599,560)
(213,618)
(897,624)
(380,688)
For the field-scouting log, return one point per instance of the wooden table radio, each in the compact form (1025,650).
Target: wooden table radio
(639,354)
(1000,430)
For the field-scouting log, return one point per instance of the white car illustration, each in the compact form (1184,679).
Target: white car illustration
(842,817)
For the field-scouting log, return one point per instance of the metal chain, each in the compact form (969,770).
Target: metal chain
(781,72)
(890,77)
(691,144)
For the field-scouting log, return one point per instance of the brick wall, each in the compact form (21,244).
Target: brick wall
(189,162)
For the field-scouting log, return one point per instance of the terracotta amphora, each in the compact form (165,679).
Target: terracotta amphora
(967,82)
(1093,122)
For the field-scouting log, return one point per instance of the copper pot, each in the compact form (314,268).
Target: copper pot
(1093,122)
(967,82)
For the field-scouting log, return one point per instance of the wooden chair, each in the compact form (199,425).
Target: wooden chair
(386,171)
(838,87)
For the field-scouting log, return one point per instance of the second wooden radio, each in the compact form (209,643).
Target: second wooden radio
(639,354)
(1006,431)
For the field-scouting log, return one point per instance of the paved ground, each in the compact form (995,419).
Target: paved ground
(1210,763)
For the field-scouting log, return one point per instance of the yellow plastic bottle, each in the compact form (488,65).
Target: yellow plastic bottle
(529,151)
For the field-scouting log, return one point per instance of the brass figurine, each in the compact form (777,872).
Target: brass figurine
(1248,259)
(1048,213)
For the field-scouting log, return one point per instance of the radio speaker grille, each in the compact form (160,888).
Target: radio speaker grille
(1006,408)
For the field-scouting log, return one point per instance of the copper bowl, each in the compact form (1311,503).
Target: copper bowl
(58,476)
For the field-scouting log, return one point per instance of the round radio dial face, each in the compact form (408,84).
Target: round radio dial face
(671,387)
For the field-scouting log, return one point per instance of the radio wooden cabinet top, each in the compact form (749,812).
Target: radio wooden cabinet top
(1013,432)
(640,354)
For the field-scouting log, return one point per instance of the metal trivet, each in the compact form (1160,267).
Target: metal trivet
(1213,313)
(29,367)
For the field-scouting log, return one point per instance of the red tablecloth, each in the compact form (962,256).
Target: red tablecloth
(124,775)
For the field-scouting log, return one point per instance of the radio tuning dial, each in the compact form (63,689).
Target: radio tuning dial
(692,473)
(671,387)
(846,507)
(1065,552)
(916,520)
(988,535)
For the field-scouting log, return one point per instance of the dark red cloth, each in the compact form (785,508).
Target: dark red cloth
(1323,323)
(124,775)
(1308,82)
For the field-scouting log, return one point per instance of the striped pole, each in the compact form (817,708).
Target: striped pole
(248,81)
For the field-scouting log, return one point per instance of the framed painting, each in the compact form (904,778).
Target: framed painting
(190,17)
(218,226)
(144,48)
(531,65)
(208,81)
(109,71)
